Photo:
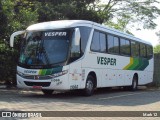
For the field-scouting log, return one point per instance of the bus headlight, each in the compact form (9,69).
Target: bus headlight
(20,73)
(60,73)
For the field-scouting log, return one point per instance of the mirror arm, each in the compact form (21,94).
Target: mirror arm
(13,35)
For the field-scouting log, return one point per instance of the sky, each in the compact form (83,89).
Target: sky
(145,34)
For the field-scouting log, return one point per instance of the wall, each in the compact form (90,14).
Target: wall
(156,80)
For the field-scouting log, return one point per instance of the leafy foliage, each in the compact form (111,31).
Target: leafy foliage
(131,12)
(67,9)
(157,49)
(14,15)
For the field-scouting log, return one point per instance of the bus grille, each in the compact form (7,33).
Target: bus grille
(39,77)
(43,84)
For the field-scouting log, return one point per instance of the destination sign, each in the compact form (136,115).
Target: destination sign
(49,34)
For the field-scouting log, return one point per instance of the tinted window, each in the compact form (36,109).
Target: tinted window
(149,51)
(135,49)
(142,50)
(113,44)
(116,45)
(85,32)
(103,42)
(125,47)
(110,43)
(95,45)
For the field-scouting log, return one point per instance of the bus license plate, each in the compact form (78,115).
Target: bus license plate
(37,87)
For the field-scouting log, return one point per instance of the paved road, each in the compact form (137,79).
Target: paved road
(102,100)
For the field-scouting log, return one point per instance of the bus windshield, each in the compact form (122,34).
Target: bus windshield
(45,47)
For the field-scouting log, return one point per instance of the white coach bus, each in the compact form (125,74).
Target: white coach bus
(79,54)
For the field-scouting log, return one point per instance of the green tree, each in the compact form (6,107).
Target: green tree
(130,12)
(66,9)
(157,49)
(14,15)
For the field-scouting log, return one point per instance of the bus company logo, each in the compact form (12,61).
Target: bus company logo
(36,77)
(50,34)
(30,71)
(106,61)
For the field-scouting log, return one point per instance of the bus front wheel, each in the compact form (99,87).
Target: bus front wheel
(47,92)
(89,88)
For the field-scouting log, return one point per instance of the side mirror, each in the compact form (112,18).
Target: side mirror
(13,35)
(77,37)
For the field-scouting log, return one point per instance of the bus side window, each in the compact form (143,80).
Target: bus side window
(85,33)
(102,42)
(110,43)
(113,44)
(134,49)
(125,47)
(142,50)
(149,51)
(95,45)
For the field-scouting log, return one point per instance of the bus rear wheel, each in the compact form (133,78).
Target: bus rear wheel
(134,85)
(89,88)
(47,92)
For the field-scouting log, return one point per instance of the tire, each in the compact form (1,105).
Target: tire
(47,92)
(134,85)
(89,87)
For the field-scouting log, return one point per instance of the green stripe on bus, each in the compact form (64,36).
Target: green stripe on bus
(50,71)
(137,64)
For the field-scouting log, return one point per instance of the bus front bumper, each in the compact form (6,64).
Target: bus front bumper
(58,83)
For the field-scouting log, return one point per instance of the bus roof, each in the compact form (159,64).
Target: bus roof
(73,23)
